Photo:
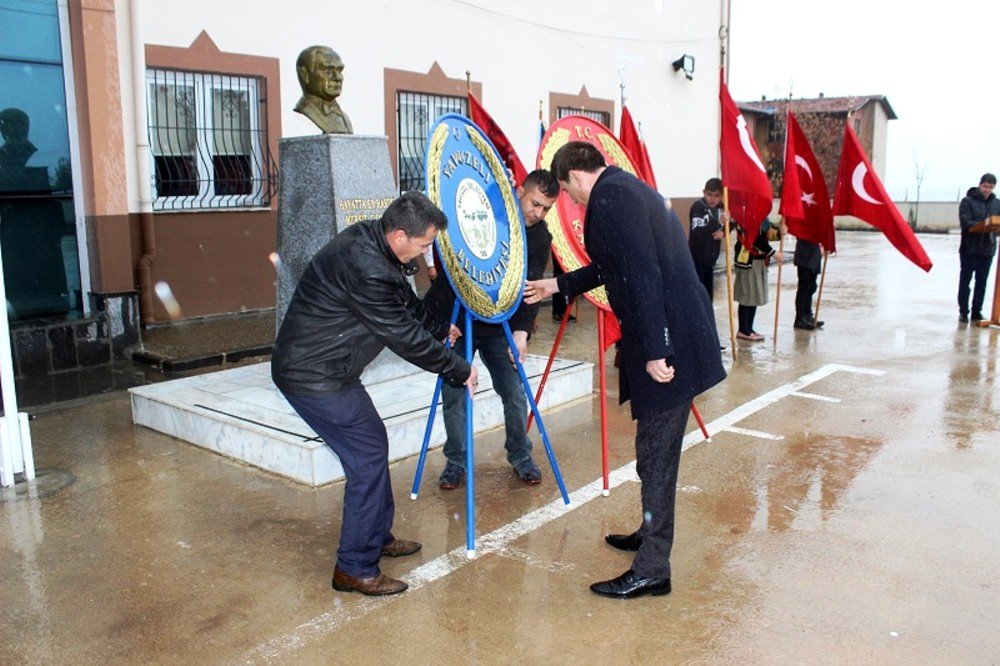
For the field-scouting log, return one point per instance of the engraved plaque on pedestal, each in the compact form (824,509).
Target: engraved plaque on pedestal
(329,182)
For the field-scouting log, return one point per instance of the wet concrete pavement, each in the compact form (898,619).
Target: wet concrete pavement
(850,515)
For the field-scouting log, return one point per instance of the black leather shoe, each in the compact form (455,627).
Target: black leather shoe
(963,318)
(818,324)
(624,541)
(630,585)
(804,325)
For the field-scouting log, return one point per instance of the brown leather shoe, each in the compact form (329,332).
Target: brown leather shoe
(400,548)
(377,586)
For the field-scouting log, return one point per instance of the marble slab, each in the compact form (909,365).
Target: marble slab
(241,414)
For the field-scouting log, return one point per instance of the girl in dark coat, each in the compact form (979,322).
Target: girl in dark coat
(750,281)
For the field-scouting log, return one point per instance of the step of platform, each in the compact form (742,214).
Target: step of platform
(241,414)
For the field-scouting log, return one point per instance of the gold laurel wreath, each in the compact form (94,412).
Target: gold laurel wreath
(567,257)
(472,294)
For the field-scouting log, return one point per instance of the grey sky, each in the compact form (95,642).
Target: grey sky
(936,64)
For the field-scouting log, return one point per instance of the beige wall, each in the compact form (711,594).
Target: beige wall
(517,61)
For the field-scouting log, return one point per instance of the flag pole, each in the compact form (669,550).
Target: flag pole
(729,272)
(777,290)
(822,278)
(782,228)
(468,81)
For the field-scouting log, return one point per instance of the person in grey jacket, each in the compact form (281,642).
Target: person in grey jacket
(352,301)
(975,253)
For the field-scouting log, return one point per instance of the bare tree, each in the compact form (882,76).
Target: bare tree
(919,170)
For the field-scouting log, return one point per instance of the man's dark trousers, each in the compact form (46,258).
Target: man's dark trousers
(804,294)
(972,265)
(658,443)
(706,275)
(348,423)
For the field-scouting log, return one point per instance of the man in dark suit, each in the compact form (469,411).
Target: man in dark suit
(670,347)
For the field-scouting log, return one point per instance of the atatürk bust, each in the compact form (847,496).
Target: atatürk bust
(321,75)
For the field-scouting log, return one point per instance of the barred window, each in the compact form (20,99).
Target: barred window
(208,139)
(602,117)
(415,113)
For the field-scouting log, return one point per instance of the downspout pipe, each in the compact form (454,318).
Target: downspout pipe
(143,160)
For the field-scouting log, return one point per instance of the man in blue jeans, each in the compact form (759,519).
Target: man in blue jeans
(352,301)
(977,249)
(537,195)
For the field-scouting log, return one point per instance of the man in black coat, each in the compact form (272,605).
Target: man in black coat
(353,301)
(670,347)
(976,250)
(536,196)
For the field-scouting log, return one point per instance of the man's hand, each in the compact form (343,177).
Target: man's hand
(454,333)
(718,234)
(659,370)
(472,383)
(432,273)
(537,290)
(521,342)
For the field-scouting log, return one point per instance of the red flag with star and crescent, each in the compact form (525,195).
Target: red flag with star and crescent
(743,172)
(805,201)
(486,123)
(860,193)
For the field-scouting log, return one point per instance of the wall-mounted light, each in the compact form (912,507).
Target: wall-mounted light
(686,63)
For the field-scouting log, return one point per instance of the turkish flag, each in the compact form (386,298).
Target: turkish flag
(860,193)
(647,165)
(612,330)
(486,123)
(743,172)
(805,201)
(629,137)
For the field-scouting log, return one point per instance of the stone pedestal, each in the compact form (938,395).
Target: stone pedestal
(329,182)
(241,414)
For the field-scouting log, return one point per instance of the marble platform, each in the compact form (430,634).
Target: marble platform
(241,414)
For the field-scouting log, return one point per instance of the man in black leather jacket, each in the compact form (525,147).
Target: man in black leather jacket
(352,301)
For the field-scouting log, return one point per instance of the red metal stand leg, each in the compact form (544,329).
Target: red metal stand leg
(701,423)
(605,469)
(552,357)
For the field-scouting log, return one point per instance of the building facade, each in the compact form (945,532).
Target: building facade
(151,193)
(822,120)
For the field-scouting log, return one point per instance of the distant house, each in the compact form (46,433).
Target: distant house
(822,119)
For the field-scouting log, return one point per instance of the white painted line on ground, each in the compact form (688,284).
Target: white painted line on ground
(754,433)
(342,613)
(813,396)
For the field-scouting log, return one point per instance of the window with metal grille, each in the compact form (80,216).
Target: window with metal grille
(415,113)
(602,117)
(208,139)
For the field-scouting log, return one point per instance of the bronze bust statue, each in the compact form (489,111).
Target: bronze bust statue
(321,75)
